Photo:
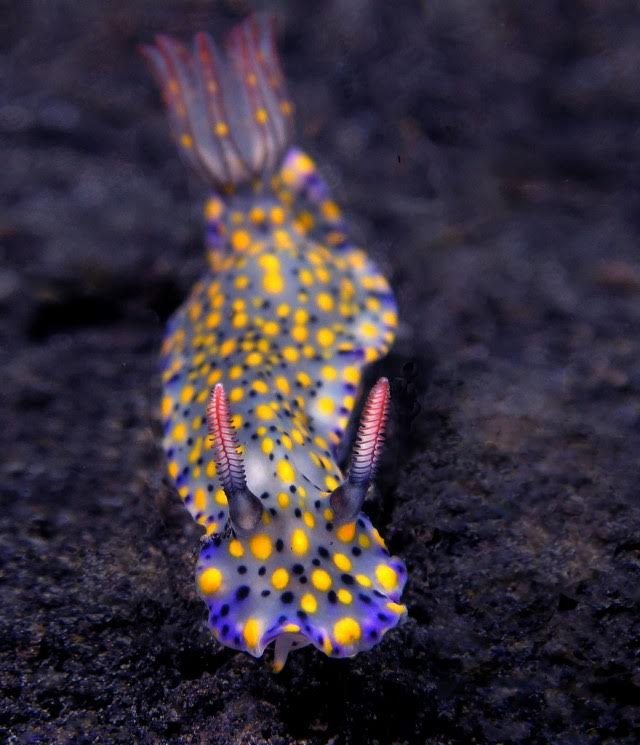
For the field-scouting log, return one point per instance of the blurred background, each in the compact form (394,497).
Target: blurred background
(487,156)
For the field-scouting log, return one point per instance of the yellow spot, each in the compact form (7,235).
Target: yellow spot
(237,394)
(386,576)
(304,379)
(398,608)
(260,546)
(297,436)
(241,282)
(277,215)
(236,421)
(227,347)
(330,211)
(326,406)
(324,301)
(180,432)
(342,562)
(346,532)
(221,129)
(280,578)
(236,549)
(344,596)
(299,333)
(251,632)
(346,631)
(273,283)
(306,278)
(303,163)
(325,337)
(213,209)
(282,384)
(332,483)
(308,603)
(267,445)
(240,320)
(260,386)
(308,519)
(263,411)
(363,580)
(329,373)
(221,499)
(187,394)
(261,116)
(210,581)
(283,310)
(167,405)
(299,542)
(285,471)
(271,328)
(328,514)
(253,359)
(321,580)
(256,215)
(368,330)
(377,537)
(240,240)
(283,500)
(186,141)
(291,628)
(364,541)
(200,499)
(291,354)
(327,646)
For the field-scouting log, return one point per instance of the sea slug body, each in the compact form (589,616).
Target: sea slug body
(262,367)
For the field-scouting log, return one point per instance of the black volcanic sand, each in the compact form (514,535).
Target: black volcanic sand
(488,159)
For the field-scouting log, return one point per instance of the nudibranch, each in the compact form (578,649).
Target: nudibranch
(262,367)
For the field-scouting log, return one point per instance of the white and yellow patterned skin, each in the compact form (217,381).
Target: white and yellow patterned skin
(285,318)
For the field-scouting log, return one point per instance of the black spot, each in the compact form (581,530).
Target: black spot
(347,579)
(301,615)
(293,490)
(379,594)
(332,597)
(356,551)
(262,571)
(323,552)
(297,569)
(297,512)
(242,569)
(287,597)
(264,495)
(383,617)
(315,562)
(303,580)
(242,592)
(224,611)
(225,629)
(329,527)
(373,634)
(365,598)
(265,593)
(279,545)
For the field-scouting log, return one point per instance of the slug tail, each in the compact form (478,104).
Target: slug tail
(229,113)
